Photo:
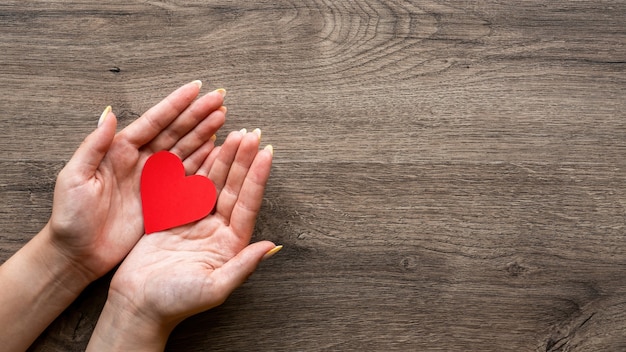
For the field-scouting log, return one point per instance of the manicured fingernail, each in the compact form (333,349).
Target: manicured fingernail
(272,251)
(257,131)
(243,131)
(269,148)
(223,109)
(198,83)
(222,91)
(213,138)
(104,115)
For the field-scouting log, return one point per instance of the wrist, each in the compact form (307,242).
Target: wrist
(60,267)
(38,284)
(122,326)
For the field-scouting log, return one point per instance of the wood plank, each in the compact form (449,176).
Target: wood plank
(448,175)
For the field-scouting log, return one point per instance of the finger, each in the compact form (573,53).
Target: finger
(223,161)
(237,174)
(208,162)
(193,163)
(158,117)
(200,134)
(236,271)
(89,155)
(189,119)
(250,198)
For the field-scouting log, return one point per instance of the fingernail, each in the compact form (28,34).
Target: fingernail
(271,252)
(257,131)
(243,131)
(223,109)
(269,148)
(198,83)
(213,138)
(104,115)
(222,91)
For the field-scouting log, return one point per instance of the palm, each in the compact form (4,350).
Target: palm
(120,222)
(182,271)
(170,270)
(97,212)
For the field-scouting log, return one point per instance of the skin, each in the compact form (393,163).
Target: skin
(174,274)
(96,217)
(96,213)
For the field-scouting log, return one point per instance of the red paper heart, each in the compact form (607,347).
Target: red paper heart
(169,198)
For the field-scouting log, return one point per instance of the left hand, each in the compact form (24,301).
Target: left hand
(96,214)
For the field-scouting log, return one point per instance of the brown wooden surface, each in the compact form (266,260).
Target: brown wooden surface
(449,175)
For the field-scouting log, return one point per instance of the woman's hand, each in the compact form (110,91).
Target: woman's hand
(96,217)
(173,274)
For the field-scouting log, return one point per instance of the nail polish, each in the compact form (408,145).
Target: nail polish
(257,131)
(269,148)
(222,91)
(104,115)
(272,251)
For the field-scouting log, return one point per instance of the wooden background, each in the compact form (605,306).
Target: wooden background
(448,176)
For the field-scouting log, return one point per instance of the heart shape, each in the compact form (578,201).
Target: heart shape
(169,198)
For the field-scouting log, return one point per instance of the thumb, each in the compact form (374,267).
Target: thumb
(88,156)
(235,272)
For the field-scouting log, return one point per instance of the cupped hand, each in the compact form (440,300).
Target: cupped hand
(96,215)
(173,274)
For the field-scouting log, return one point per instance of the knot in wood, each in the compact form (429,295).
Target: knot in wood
(515,269)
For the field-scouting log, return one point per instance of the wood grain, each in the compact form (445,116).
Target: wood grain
(448,175)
